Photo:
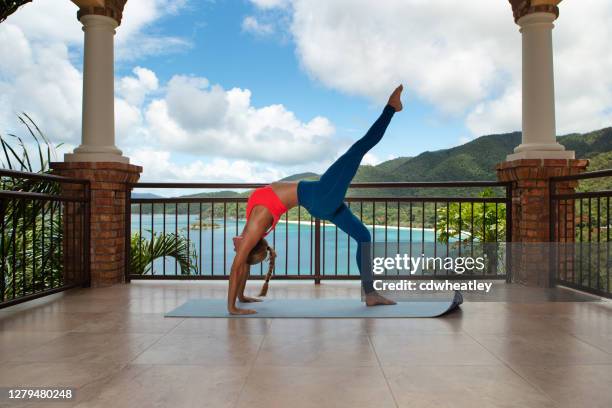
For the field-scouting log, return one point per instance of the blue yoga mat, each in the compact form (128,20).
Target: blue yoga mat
(319,308)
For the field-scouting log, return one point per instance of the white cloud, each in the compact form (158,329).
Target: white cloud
(134,89)
(134,39)
(198,118)
(158,165)
(370,159)
(48,21)
(449,56)
(194,105)
(250,24)
(43,77)
(499,115)
(45,85)
(465,61)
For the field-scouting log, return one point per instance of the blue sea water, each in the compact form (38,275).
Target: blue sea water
(293,242)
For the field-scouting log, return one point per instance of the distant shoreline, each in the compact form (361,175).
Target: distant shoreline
(329,223)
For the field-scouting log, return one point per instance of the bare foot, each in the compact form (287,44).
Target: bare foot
(375,299)
(247,299)
(238,311)
(395,100)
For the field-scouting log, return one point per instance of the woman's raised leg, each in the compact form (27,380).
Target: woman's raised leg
(334,182)
(331,187)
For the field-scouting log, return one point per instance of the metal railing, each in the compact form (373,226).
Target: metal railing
(580,225)
(45,235)
(442,217)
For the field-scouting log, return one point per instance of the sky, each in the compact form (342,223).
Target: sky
(256,90)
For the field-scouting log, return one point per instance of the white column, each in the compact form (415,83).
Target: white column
(98,133)
(539,132)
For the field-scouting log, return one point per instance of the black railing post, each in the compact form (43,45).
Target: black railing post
(128,230)
(317,252)
(87,237)
(552,253)
(3,250)
(509,225)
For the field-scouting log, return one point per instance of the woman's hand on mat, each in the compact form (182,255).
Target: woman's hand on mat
(375,299)
(238,311)
(246,299)
(395,100)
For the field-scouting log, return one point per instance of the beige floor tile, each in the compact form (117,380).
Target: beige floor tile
(316,387)
(480,308)
(591,321)
(15,342)
(120,322)
(505,323)
(442,325)
(463,387)
(338,351)
(193,349)
(216,326)
(56,374)
(601,341)
(561,348)
(318,328)
(117,348)
(431,349)
(556,308)
(542,349)
(154,304)
(168,386)
(85,304)
(46,321)
(573,386)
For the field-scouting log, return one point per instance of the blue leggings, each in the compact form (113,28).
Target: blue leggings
(324,198)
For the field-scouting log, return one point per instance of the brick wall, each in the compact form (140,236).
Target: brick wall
(108,218)
(531,212)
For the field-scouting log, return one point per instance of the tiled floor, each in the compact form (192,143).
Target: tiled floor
(115,347)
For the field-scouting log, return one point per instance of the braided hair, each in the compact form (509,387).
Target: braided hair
(272,259)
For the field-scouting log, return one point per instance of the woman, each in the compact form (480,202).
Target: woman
(323,199)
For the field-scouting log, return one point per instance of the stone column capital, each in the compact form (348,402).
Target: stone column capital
(521,8)
(107,8)
(98,22)
(537,19)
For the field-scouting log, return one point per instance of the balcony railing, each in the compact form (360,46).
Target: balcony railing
(580,225)
(437,218)
(45,235)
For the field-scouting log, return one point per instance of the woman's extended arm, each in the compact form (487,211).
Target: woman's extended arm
(250,236)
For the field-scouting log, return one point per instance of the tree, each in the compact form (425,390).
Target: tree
(484,223)
(144,252)
(8,7)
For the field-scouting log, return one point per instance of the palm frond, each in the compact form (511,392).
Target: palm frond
(144,252)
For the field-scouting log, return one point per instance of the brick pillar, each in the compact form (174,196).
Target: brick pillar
(109,182)
(531,214)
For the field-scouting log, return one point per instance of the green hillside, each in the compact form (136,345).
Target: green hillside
(472,161)
(476,159)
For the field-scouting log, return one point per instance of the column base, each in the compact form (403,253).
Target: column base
(109,188)
(531,213)
(541,154)
(96,154)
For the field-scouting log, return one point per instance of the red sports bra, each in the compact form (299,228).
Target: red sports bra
(267,197)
